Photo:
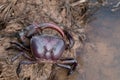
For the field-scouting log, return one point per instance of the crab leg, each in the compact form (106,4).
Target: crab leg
(70,38)
(20,45)
(20,54)
(19,68)
(16,56)
(66,67)
(68,63)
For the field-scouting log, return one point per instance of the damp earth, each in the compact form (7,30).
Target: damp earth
(94,25)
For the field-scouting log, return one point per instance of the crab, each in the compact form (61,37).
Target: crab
(37,47)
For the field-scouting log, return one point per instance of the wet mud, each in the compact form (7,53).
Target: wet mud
(102,51)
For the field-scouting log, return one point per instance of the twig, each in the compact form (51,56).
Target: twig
(78,2)
(7,9)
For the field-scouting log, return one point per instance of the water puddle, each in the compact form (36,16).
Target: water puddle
(102,51)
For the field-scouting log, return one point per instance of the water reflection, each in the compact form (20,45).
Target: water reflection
(102,53)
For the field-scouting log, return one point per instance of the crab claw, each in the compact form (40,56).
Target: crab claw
(52,26)
(62,32)
(32,29)
(43,26)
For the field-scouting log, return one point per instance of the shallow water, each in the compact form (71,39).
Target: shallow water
(102,51)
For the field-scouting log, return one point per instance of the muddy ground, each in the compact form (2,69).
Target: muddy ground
(72,15)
